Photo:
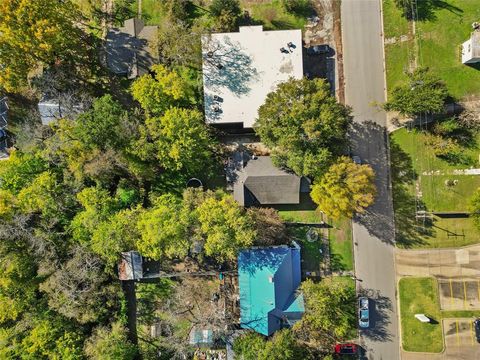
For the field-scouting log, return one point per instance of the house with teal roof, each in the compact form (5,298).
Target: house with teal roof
(268,280)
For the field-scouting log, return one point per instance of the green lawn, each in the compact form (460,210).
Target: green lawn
(301,216)
(310,251)
(272,15)
(420,296)
(393,21)
(439,197)
(439,39)
(341,251)
(410,158)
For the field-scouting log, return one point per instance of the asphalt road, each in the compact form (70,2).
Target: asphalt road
(373,232)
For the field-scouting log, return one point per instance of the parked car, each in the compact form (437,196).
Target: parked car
(476,324)
(346,349)
(356,159)
(363,316)
(318,50)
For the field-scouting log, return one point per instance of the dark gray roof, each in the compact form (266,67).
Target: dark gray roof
(261,183)
(127,48)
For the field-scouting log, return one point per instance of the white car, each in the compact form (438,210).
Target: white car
(363,313)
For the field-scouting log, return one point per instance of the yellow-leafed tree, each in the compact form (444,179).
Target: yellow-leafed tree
(35,34)
(345,189)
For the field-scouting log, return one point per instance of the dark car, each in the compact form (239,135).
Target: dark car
(476,324)
(346,349)
(318,50)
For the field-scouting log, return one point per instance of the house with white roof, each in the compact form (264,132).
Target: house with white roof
(241,68)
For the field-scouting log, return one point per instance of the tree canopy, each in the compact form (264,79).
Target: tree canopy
(304,126)
(329,312)
(283,345)
(345,189)
(39,33)
(424,93)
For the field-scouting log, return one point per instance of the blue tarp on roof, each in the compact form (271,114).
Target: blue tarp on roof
(268,280)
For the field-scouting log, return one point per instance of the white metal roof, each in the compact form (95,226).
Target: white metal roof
(242,68)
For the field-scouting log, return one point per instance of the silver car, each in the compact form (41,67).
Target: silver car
(363,313)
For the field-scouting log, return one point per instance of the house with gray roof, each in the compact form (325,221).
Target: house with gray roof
(127,48)
(256,181)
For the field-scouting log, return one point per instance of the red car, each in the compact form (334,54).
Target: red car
(346,349)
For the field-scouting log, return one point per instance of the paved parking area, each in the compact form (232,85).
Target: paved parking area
(459,294)
(460,339)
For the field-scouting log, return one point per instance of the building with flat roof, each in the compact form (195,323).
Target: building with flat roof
(268,279)
(241,68)
(471,49)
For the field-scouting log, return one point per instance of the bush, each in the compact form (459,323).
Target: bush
(296,6)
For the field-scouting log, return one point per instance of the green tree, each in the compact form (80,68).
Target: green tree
(226,14)
(166,89)
(345,189)
(163,234)
(51,338)
(115,235)
(329,312)
(304,126)
(101,126)
(296,6)
(110,344)
(39,33)
(178,44)
(20,170)
(424,93)
(475,207)
(179,140)
(98,207)
(80,288)
(225,227)
(283,345)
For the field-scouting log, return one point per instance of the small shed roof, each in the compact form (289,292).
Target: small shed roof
(130,266)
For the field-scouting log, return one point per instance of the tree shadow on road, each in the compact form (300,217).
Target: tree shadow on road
(369,141)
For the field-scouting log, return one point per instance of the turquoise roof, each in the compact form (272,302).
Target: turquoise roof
(268,280)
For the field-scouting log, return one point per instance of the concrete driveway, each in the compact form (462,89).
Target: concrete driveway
(441,263)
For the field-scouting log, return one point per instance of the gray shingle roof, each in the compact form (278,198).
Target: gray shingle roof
(261,183)
(127,48)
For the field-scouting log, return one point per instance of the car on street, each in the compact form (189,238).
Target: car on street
(346,349)
(356,159)
(476,325)
(363,313)
(318,50)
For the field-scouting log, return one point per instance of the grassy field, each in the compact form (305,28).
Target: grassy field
(310,251)
(420,296)
(394,23)
(272,15)
(440,32)
(302,216)
(341,252)
(410,159)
